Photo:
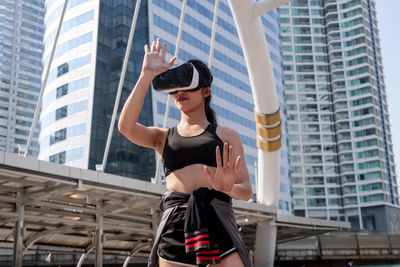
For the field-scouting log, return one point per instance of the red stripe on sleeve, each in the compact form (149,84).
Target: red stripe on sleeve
(208,258)
(208,252)
(197,243)
(195,238)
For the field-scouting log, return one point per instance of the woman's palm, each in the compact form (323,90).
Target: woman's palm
(154,58)
(226,174)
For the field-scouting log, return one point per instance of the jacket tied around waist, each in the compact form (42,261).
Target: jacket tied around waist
(204,206)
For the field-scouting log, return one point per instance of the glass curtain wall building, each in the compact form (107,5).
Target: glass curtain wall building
(80,93)
(21,49)
(341,156)
(81,90)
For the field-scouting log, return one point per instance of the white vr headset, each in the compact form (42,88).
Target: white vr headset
(183,77)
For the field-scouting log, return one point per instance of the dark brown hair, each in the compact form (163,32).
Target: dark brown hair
(205,80)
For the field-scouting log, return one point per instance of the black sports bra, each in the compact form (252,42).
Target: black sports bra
(181,151)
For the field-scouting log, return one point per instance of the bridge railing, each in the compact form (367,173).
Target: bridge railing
(342,246)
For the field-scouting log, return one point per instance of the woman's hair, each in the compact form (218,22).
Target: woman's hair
(205,80)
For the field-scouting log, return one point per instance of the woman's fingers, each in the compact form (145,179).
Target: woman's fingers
(224,177)
(171,62)
(218,157)
(237,166)
(153,46)
(225,155)
(228,157)
(158,44)
(146,48)
(156,47)
(164,50)
(231,158)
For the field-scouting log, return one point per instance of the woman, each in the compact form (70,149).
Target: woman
(210,180)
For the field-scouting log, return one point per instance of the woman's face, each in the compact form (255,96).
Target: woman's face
(188,101)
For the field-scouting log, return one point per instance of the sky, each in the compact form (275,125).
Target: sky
(388,12)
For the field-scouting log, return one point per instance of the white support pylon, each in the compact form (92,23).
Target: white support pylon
(246,14)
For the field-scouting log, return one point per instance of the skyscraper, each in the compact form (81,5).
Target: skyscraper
(341,156)
(81,90)
(82,85)
(21,49)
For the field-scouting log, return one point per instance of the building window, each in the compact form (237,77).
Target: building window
(370,187)
(58,158)
(298,202)
(372,198)
(334,202)
(61,112)
(297,191)
(370,176)
(314,180)
(316,191)
(58,136)
(369,165)
(62,90)
(312,149)
(316,202)
(283,11)
(332,180)
(67,156)
(62,69)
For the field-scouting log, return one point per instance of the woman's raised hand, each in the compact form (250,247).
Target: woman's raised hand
(154,58)
(226,173)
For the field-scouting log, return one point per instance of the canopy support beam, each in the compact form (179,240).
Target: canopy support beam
(18,237)
(99,237)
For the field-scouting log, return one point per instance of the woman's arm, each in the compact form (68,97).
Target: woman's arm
(153,64)
(231,176)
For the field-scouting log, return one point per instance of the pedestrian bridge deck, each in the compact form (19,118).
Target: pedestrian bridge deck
(61,207)
(362,246)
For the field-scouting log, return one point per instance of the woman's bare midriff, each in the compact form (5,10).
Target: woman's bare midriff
(188,179)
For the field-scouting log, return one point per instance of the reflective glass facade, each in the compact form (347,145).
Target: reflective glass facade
(82,86)
(21,49)
(124,158)
(341,156)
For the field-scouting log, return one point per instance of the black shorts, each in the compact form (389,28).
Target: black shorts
(172,240)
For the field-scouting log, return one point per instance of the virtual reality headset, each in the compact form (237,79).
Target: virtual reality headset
(183,77)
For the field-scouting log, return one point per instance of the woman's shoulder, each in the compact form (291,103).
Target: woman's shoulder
(227,134)
(225,130)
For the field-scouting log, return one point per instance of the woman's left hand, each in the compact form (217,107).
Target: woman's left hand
(226,173)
